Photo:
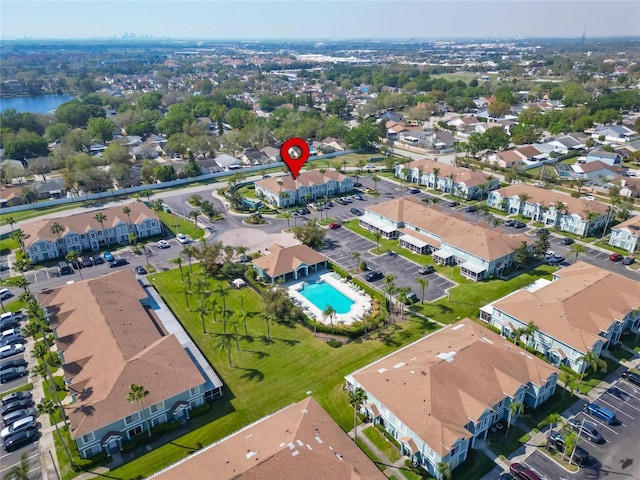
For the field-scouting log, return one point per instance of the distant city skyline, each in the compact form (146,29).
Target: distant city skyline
(311,19)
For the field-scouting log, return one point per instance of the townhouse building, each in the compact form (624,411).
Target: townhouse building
(626,234)
(476,249)
(104,353)
(299,441)
(459,182)
(580,216)
(82,232)
(583,309)
(442,393)
(309,186)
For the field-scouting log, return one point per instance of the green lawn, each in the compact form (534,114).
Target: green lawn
(508,442)
(382,443)
(179,225)
(267,374)
(7,245)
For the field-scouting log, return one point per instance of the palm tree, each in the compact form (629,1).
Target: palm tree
(529,331)
(189,251)
(47,407)
(402,297)
(570,382)
(523,197)
(357,398)
(137,393)
(424,283)
(57,229)
(234,327)
(178,261)
(375,179)
(222,291)
(186,291)
(11,221)
(377,235)
(444,470)
(202,311)
(101,218)
(552,421)
(223,342)
(435,172)
(267,320)
(243,318)
(576,249)
(127,212)
(356,257)
(329,312)
(18,235)
(287,216)
(72,257)
(515,408)
(590,359)
(195,214)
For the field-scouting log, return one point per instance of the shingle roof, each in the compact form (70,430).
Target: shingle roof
(472,238)
(460,175)
(109,341)
(574,309)
(282,260)
(307,179)
(437,384)
(542,196)
(298,442)
(84,222)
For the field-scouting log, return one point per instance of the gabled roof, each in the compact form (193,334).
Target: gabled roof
(548,198)
(84,222)
(575,308)
(307,179)
(297,442)
(472,238)
(110,341)
(440,383)
(281,260)
(632,224)
(459,174)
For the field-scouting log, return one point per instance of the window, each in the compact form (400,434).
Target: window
(158,420)
(155,408)
(134,431)
(194,391)
(132,418)
(89,437)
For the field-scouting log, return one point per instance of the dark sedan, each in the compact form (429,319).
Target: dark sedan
(632,377)
(373,276)
(20,439)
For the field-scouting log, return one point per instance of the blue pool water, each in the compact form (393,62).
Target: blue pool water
(322,294)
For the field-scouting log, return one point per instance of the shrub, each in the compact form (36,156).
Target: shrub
(201,410)
(334,343)
(363,266)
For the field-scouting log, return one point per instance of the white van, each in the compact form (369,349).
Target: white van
(4,293)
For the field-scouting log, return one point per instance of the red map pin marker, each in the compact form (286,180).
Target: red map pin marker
(295,152)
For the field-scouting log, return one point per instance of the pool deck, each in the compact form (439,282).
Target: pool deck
(361,300)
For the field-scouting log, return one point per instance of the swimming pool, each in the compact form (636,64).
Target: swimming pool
(322,294)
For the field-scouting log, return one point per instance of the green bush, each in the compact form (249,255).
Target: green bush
(334,343)
(201,410)
(363,266)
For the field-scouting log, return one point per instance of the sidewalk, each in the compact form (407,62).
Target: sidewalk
(393,468)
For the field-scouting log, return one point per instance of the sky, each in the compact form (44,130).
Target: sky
(312,19)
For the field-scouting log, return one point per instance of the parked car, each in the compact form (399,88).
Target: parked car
(357,196)
(580,455)
(11,374)
(86,262)
(453,204)
(632,377)
(372,276)
(97,260)
(16,396)
(20,362)
(521,472)
(334,226)
(15,405)
(163,244)
(628,260)
(305,211)
(414,190)
(357,185)
(355,211)
(601,412)
(587,429)
(411,298)
(508,223)
(20,439)
(11,339)
(18,414)
(554,259)
(391,253)
(11,350)
(518,224)
(615,257)
(140,270)
(182,238)
(542,231)
(3,267)
(471,208)
(118,262)
(567,241)
(108,256)
(426,269)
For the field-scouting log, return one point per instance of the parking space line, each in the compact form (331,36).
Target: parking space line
(598,422)
(18,463)
(626,403)
(616,408)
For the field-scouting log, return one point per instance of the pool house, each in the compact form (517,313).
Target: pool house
(290,263)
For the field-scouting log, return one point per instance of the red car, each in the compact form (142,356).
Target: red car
(521,472)
(334,226)
(615,257)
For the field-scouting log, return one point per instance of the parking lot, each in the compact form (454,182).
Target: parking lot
(617,457)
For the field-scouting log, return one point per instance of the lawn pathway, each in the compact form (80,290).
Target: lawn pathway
(393,468)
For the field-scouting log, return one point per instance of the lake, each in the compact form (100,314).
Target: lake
(35,104)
